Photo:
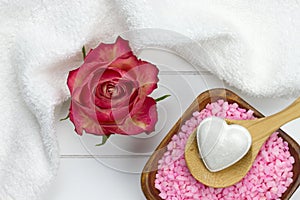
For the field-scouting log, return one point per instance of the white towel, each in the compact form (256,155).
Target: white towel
(253,45)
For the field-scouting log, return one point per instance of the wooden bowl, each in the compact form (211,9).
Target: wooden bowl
(150,169)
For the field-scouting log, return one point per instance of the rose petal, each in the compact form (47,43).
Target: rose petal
(147,115)
(109,74)
(87,80)
(106,53)
(124,63)
(84,119)
(143,119)
(146,75)
(111,116)
(85,73)
(121,99)
(71,79)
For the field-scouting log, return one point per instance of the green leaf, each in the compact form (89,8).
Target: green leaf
(83,52)
(67,117)
(104,139)
(162,97)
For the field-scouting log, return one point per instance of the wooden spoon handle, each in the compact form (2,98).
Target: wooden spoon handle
(272,123)
(288,114)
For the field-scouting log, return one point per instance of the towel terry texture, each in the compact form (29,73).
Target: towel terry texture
(252,45)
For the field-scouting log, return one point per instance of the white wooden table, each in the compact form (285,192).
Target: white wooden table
(113,171)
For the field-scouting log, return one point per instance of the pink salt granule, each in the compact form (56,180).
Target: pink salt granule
(269,177)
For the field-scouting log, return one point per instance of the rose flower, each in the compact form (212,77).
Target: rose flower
(109,92)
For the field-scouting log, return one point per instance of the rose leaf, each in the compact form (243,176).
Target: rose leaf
(83,52)
(104,139)
(65,118)
(162,97)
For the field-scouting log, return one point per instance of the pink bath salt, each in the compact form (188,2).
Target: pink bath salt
(269,177)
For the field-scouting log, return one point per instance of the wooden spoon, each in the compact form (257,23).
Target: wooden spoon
(260,130)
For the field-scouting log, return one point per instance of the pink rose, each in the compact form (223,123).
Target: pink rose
(109,92)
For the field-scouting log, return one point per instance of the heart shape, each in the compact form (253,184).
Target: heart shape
(221,145)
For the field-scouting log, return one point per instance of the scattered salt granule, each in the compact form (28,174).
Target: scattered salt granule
(269,177)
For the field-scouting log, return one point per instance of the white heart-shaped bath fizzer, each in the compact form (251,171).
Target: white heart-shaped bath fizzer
(221,145)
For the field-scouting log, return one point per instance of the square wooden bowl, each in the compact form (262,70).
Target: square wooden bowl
(150,169)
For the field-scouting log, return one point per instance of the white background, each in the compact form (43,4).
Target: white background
(113,171)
